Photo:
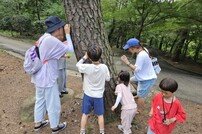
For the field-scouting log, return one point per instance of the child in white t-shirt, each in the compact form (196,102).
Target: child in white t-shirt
(129,106)
(95,75)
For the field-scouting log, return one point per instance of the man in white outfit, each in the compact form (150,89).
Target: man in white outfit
(47,95)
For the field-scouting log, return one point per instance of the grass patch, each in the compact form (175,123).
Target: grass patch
(9,33)
(89,129)
(17,36)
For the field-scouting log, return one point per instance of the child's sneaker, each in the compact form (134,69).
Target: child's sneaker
(120,127)
(43,124)
(82,131)
(59,128)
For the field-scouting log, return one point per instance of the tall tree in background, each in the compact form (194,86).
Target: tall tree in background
(88,29)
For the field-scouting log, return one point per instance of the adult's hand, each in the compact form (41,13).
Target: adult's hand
(67,29)
(125,59)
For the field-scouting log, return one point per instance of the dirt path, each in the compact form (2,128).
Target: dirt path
(15,89)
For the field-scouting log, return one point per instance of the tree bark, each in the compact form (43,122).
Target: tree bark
(87,29)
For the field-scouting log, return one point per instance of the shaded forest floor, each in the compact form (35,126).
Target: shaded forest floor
(16,90)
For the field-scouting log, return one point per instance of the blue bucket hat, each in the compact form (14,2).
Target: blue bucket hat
(53,23)
(131,43)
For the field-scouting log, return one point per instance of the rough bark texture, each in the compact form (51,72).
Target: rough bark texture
(87,29)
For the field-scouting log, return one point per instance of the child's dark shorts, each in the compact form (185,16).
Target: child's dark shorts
(90,103)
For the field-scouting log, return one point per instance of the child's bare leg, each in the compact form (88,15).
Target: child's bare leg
(101,123)
(84,119)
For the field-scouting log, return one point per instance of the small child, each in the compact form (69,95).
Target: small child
(95,75)
(129,106)
(62,63)
(166,109)
(62,68)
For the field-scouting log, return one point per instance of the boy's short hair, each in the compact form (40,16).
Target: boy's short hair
(124,76)
(168,84)
(94,53)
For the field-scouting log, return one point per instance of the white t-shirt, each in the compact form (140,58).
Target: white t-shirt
(144,68)
(94,78)
(50,49)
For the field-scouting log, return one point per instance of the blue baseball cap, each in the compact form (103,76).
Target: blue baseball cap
(131,43)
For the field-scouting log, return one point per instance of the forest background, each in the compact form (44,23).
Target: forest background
(171,27)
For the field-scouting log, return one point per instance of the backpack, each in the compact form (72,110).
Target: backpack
(32,63)
(155,62)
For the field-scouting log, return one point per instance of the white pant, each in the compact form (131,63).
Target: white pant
(127,116)
(47,99)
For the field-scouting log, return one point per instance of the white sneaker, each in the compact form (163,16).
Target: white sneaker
(43,124)
(120,127)
(60,127)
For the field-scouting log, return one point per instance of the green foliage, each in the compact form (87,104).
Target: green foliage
(6,23)
(22,24)
(39,27)
(149,20)
(154,20)
(27,16)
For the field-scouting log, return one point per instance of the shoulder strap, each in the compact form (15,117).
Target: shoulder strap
(37,44)
(146,50)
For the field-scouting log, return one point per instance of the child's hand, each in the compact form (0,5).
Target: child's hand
(169,121)
(85,56)
(150,114)
(113,108)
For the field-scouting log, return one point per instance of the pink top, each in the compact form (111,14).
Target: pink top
(156,123)
(127,100)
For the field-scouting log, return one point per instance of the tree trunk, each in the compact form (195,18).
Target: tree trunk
(87,29)
(161,43)
(177,52)
(184,53)
(38,11)
(151,41)
(174,42)
(197,51)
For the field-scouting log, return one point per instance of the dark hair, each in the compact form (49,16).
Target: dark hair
(168,84)
(124,76)
(94,53)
